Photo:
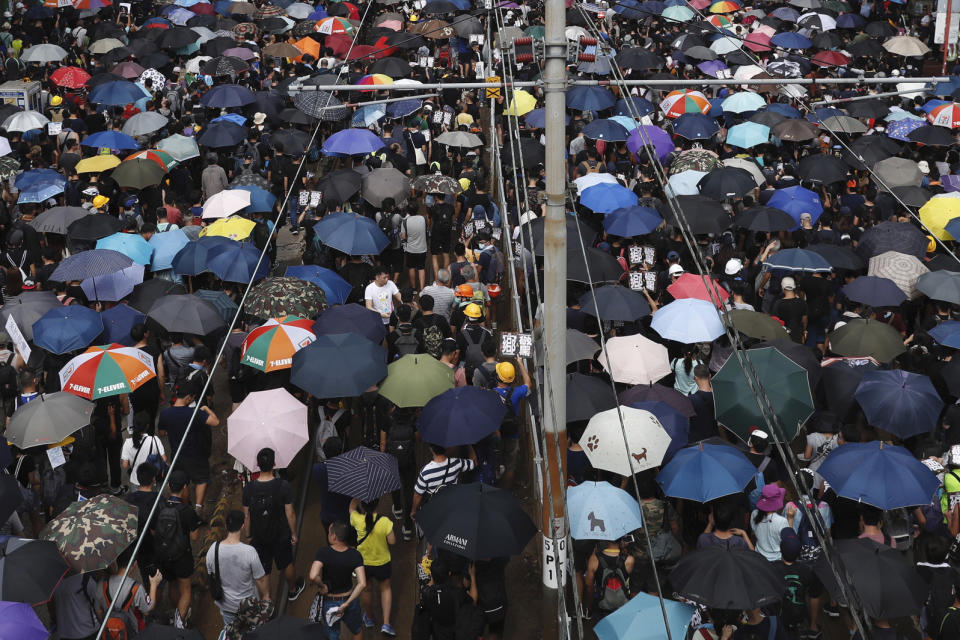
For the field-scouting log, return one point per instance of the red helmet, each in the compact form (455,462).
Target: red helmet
(493,290)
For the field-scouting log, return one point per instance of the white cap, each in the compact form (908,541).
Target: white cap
(924,167)
(733,266)
(788,284)
(675,270)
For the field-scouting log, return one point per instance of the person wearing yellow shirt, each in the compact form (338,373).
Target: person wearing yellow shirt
(374,537)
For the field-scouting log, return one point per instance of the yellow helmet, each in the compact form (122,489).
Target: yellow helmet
(464,183)
(506,372)
(931,244)
(473,310)
(100,201)
(56,101)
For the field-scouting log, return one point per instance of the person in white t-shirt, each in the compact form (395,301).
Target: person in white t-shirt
(381,294)
(137,449)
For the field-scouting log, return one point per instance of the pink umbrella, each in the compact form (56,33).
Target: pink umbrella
(759,42)
(273,419)
(239,52)
(700,4)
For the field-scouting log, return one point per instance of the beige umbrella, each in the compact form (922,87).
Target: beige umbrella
(282,50)
(752,167)
(844,124)
(635,360)
(902,269)
(104,45)
(906,46)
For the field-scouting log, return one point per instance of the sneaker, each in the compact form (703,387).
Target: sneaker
(387,630)
(831,610)
(301,585)
(407,533)
(295,231)
(177,620)
(397,513)
(811,634)
(368,622)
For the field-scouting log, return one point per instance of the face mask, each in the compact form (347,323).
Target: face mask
(429,200)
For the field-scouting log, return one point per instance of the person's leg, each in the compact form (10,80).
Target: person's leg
(366,600)
(386,600)
(353,620)
(333,631)
(183,602)
(292,207)
(201,491)
(423,278)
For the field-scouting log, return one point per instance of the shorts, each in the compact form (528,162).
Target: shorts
(353,618)
(238,391)
(392,259)
(416,260)
(278,551)
(179,569)
(440,241)
(511,453)
(582,550)
(381,572)
(198,471)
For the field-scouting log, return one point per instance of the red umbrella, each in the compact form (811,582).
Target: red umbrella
(202,9)
(70,77)
(689,285)
(758,41)
(830,59)
(339,43)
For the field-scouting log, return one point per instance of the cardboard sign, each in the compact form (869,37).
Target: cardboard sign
(16,336)
(56,457)
(516,345)
(54,128)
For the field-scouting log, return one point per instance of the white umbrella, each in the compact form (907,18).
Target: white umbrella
(902,268)
(635,360)
(144,123)
(752,167)
(104,45)
(299,10)
(180,147)
(193,64)
(603,443)
(685,182)
(587,181)
(724,45)
(4,147)
(43,53)
(226,203)
(575,33)
(25,121)
(204,33)
(906,46)
(460,139)
(273,419)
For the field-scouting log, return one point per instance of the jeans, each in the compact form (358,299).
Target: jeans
(403,497)
(293,205)
(353,617)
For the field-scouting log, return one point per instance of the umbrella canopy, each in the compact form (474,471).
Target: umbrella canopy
(642,619)
(273,419)
(615,303)
(351,233)
(756,325)
(67,329)
(132,245)
(19,620)
(415,379)
(166,246)
(459,416)
(237,262)
(91,228)
(90,264)
(635,359)
(270,347)
(117,323)
(352,318)
(285,296)
(27,308)
(105,523)
(147,293)
(604,441)
(334,287)
(362,364)
(30,570)
(600,511)
(940,285)
(705,472)
(902,269)
(688,320)
(727,578)
(57,219)
(798,260)
(50,419)
(363,473)
(867,337)
(879,474)
(841,377)
(706,288)
(226,203)
(381,184)
(903,403)
(875,292)
(586,396)
(476,521)
(107,370)
(783,381)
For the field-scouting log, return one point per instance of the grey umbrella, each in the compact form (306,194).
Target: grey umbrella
(467,26)
(50,419)
(320,104)
(144,123)
(185,313)
(43,53)
(57,219)
(27,308)
(580,346)
(460,139)
(898,172)
(940,285)
(385,183)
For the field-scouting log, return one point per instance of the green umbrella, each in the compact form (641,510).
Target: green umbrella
(180,147)
(91,534)
(782,380)
(138,173)
(414,379)
(756,325)
(282,296)
(864,337)
(536,31)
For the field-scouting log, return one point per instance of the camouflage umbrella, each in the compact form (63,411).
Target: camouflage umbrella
(8,166)
(281,296)
(251,179)
(91,534)
(696,160)
(437,183)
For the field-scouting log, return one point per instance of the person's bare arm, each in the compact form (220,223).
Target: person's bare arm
(263,586)
(472,591)
(246,523)
(316,575)
(357,588)
(212,419)
(524,374)
(291,522)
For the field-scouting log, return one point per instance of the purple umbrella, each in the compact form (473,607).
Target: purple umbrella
(711,67)
(648,134)
(19,620)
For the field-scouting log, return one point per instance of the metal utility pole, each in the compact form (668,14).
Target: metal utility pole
(555,296)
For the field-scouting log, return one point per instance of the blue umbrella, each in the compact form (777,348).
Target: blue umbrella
(943,88)
(38,176)
(226,96)
(900,129)
(947,333)
(642,619)
(351,318)
(537,119)
(626,122)
(336,288)
(363,473)
(131,245)
(705,472)
(166,245)
(459,416)
(631,221)
(116,93)
(879,474)
(117,323)
(18,619)
(822,113)
(743,102)
(850,21)
(903,403)
(110,140)
(112,287)
(40,192)
(791,40)
(674,423)
(67,329)
(191,260)
(641,107)
(223,303)
(688,320)
(600,511)
(350,233)
(932,104)
(222,134)
(748,134)
(360,365)
(685,183)
(590,98)
(695,126)
(784,109)
(606,130)
(237,263)
(795,201)
(89,264)
(953,227)
(403,108)
(368,115)
(235,118)
(260,199)
(606,197)
(349,142)
(875,292)
(798,260)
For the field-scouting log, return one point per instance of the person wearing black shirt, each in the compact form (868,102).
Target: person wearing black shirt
(175,423)
(792,310)
(143,498)
(332,570)
(703,425)
(178,570)
(801,599)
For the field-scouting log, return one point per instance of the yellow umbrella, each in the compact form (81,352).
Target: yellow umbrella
(96,164)
(234,227)
(937,212)
(521,104)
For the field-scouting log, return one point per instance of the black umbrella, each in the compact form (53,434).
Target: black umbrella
(176,37)
(587,396)
(286,628)
(290,141)
(144,47)
(867,48)
(795,130)
(576,229)
(270,103)
(761,218)
(639,58)
(932,136)
(615,303)
(941,262)
(155,60)
(186,314)
(223,65)
(950,375)
(726,183)
(295,116)
(163,632)
(725,577)
(881,29)
(840,381)
(116,55)
(704,215)
(476,521)
(340,186)
(800,354)
(659,393)
(902,237)
(107,29)
(532,152)
(147,293)
(827,40)
(274,25)
(769,118)
(393,67)
(93,227)
(592,265)
(439,7)
(873,108)
(10,496)
(823,168)
(885,584)
(912,195)
(320,104)
(30,570)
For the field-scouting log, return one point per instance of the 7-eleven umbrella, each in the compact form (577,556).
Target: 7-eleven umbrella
(330,26)
(108,370)
(603,441)
(270,347)
(946,115)
(273,419)
(677,103)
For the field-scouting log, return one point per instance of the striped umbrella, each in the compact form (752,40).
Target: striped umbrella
(107,370)
(363,473)
(270,347)
(162,158)
(677,103)
(946,115)
(330,26)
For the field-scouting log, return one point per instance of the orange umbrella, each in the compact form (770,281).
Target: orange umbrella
(308,46)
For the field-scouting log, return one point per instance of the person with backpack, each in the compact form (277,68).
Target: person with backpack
(511,396)
(767,523)
(471,338)
(431,328)
(485,376)
(389,221)
(398,438)
(237,569)
(175,527)
(800,607)
(143,497)
(374,537)
(133,602)
(176,361)
(948,626)
(141,448)
(74,607)
(450,602)
(606,579)
(756,626)
(403,340)
(271,522)
(333,570)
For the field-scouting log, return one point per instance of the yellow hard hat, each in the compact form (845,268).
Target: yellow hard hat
(464,183)
(473,311)
(506,372)
(56,101)
(99,201)
(931,244)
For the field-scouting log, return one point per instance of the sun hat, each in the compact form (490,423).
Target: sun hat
(772,499)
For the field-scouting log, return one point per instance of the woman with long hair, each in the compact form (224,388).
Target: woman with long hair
(374,537)
(140,447)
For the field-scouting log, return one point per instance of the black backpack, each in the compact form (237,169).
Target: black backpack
(406,342)
(940,593)
(487,371)
(265,516)
(400,439)
(793,607)
(170,541)
(8,379)
(389,229)
(261,234)
(473,357)
(509,426)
